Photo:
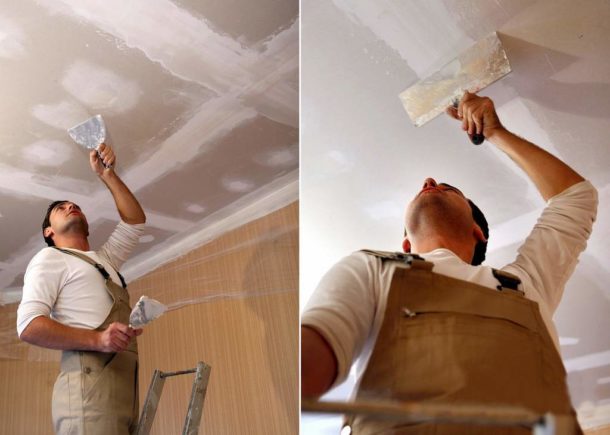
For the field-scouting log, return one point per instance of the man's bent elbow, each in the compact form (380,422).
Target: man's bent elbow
(28,335)
(318,364)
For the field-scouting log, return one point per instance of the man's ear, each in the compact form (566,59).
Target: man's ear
(406,245)
(477,232)
(48,232)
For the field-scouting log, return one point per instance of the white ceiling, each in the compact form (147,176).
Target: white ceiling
(362,160)
(200,99)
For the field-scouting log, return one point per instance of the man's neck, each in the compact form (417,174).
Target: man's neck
(80,243)
(462,249)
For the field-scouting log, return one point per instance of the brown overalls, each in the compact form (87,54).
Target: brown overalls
(444,340)
(96,393)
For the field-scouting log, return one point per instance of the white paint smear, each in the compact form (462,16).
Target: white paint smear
(62,115)
(99,88)
(195,208)
(147,238)
(11,39)
(237,185)
(282,158)
(47,152)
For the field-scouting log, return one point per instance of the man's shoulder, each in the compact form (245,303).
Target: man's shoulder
(45,254)
(45,260)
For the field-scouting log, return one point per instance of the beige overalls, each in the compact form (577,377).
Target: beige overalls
(444,340)
(96,393)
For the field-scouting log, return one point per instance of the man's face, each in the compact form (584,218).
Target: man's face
(67,216)
(438,204)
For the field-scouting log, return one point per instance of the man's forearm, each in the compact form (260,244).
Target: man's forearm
(126,203)
(550,175)
(46,332)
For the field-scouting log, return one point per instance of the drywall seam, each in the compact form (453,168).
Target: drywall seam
(214,119)
(267,199)
(193,52)
(183,44)
(17,182)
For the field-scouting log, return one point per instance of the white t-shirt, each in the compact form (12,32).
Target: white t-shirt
(348,305)
(70,290)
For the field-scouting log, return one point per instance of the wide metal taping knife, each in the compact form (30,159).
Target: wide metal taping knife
(474,69)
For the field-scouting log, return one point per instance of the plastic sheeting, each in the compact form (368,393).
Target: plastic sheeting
(260,258)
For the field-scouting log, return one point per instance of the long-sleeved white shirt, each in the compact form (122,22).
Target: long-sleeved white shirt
(71,291)
(348,305)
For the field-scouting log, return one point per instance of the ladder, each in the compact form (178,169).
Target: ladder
(195,408)
(414,412)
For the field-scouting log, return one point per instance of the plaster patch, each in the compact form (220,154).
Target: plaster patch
(47,152)
(11,39)
(62,115)
(147,238)
(195,208)
(237,185)
(281,158)
(100,88)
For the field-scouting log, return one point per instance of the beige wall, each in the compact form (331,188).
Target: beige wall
(250,342)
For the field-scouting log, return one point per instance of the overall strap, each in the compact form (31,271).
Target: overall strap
(100,268)
(411,260)
(507,280)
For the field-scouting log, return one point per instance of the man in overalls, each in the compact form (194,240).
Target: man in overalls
(75,300)
(445,329)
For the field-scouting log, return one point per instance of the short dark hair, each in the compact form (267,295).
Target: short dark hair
(481,247)
(47,221)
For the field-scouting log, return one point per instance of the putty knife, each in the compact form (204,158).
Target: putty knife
(474,69)
(145,311)
(90,134)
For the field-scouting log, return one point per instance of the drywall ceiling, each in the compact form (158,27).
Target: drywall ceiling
(200,99)
(362,159)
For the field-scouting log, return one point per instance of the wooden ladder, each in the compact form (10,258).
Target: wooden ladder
(195,408)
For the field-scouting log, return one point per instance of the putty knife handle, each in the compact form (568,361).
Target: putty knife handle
(477,139)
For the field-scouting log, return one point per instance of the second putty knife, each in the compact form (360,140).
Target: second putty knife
(474,69)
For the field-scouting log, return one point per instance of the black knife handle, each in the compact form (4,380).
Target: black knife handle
(477,139)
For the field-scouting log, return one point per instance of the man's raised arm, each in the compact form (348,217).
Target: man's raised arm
(550,175)
(126,203)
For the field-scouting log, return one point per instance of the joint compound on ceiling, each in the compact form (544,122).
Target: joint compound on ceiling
(11,40)
(48,152)
(184,45)
(195,208)
(62,115)
(237,185)
(100,88)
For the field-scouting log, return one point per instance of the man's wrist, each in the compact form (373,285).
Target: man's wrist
(107,176)
(496,133)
